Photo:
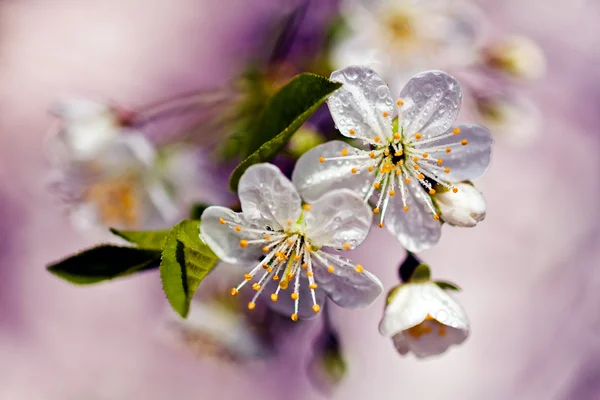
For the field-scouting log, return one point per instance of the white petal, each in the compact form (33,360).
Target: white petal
(443,307)
(405,310)
(415,229)
(224,240)
(431,102)
(471,161)
(361,103)
(432,344)
(345,286)
(285,305)
(338,218)
(268,197)
(313,178)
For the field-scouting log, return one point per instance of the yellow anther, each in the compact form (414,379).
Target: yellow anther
(425,155)
(274,297)
(294,317)
(405,208)
(222,221)
(392,192)
(267,237)
(377,139)
(456,131)
(295,296)
(248,277)
(306,207)
(265,249)
(418,136)
(276,277)
(313,286)
(296,258)
(416,167)
(399,102)
(354,170)
(398,153)
(407,180)
(464,142)
(309,274)
(448,149)
(256,287)
(352,131)
(251,306)
(376,185)
(344,152)
(330,269)
(269,270)
(359,268)
(371,168)
(415,159)
(455,190)
(381,224)
(304,266)
(397,136)
(447,170)
(372,154)
(376,210)
(308,247)
(436,217)
(238,228)
(289,222)
(283,284)
(398,172)
(234,292)
(265,266)
(321,159)
(290,242)
(385,114)
(386,152)
(316,308)
(421,176)
(290,277)
(346,246)
(440,161)
(432,191)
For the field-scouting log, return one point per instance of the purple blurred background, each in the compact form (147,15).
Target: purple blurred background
(529,271)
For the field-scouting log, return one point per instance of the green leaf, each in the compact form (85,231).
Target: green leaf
(447,285)
(422,274)
(104,263)
(185,261)
(284,113)
(143,239)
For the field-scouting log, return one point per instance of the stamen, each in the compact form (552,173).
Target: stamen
(385,114)
(222,221)
(464,142)
(359,268)
(456,131)
(399,102)
(352,131)
(344,152)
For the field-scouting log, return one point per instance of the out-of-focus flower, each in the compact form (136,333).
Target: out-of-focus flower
(400,37)
(405,160)
(423,318)
(303,140)
(288,242)
(108,174)
(517,56)
(515,119)
(465,208)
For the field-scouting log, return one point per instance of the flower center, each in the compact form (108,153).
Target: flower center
(426,327)
(400,26)
(117,201)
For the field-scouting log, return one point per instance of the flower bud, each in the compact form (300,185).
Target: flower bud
(463,208)
(517,56)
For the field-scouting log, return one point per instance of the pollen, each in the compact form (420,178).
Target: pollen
(376,185)
(377,139)
(321,159)
(385,114)
(269,270)
(376,210)
(316,308)
(267,237)
(421,176)
(313,286)
(398,172)
(238,228)
(306,207)
(276,278)
(274,297)
(354,170)
(398,153)
(359,268)
(447,170)
(330,269)
(344,152)
(454,190)
(265,249)
(265,266)
(405,208)
(440,161)
(436,217)
(416,167)
(352,131)
(283,284)
(425,155)
(381,224)
(407,180)
(372,154)
(309,274)
(304,266)
(418,136)
(294,296)
(392,192)
(248,277)
(234,292)
(397,136)
(456,131)
(222,221)
(296,258)
(464,142)
(346,246)
(289,222)
(308,247)
(399,102)
(251,305)
(415,159)
(448,149)
(256,287)
(290,242)
(371,168)
(386,152)
(432,191)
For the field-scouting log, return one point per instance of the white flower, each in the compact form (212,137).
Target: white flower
(517,56)
(400,37)
(424,319)
(404,162)
(464,208)
(109,176)
(285,243)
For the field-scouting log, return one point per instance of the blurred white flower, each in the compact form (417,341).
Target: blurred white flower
(465,208)
(401,37)
(517,56)
(108,174)
(404,161)
(424,319)
(285,243)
